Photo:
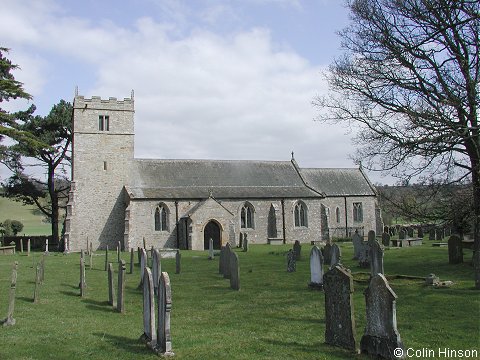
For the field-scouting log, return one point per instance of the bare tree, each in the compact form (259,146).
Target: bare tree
(409,84)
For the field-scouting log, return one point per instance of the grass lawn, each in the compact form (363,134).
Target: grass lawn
(33,224)
(274,315)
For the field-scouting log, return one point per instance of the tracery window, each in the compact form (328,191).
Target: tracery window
(357,212)
(161,218)
(300,214)
(246,216)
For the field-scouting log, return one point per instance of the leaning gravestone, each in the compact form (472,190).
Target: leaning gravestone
(357,245)
(221,261)
(297,249)
(156,269)
(455,250)
(316,268)
(164,302)
(381,337)
(121,286)
(143,264)
(111,290)
(339,311)
(376,258)
(9,320)
(291,263)
(149,334)
(386,239)
(234,271)
(335,256)
(327,253)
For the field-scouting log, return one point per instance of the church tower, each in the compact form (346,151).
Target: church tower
(102,156)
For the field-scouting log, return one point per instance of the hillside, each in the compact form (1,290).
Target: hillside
(33,224)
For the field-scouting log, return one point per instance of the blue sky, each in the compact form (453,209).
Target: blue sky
(212,79)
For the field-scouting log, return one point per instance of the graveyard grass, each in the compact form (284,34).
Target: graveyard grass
(273,316)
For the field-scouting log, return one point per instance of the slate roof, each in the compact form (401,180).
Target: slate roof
(339,182)
(198,179)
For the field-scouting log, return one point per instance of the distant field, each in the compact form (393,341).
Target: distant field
(33,224)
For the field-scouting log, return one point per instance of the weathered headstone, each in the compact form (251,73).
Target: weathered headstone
(221,261)
(420,232)
(327,253)
(121,287)
(431,234)
(386,239)
(88,247)
(83,284)
(335,256)
(245,242)
(364,260)
(339,310)
(9,320)
(297,250)
(91,257)
(381,337)
(376,258)
(156,269)
(226,263)
(36,294)
(410,232)
(178,262)
(316,268)
(432,279)
(210,249)
(240,242)
(28,246)
(143,264)
(42,269)
(46,246)
(164,300)
(149,332)
(106,258)
(291,262)
(234,271)
(439,234)
(21,245)
(357,245)
(132,259)
(119,249)
(111,290)
(455,250)
(402,234)
(144,244)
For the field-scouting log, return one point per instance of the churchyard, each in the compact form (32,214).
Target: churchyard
(274,314)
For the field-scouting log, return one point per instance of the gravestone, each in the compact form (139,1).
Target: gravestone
(234,271)
(88,248)
(119,251)
(357,245)
(106,258)
(420,232)
(431,234)
(364,260)
(439,234)
(327,253)
(210,249)
(386,239)
(245,242)
(21,245)
(28,246)
(178,262)
(42,269)
(143,264)
(156,269)
(111,290)
(144,244)
(36,294)
(410,232)
(132,257)
(297,249)
(121,287)
(402,234)
(339,310)
(240,242)
(46,246)
(335,256)
(226,260)
(291,263)
(9,320)
(149,332)
(376,258)
(381,337)
(83,284)
(316,268)
(221,261)
(164,308)
(455,250)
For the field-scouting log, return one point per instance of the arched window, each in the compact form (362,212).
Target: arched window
(246,216)
(301,215)
(357,212)
(161,218)
(337,215)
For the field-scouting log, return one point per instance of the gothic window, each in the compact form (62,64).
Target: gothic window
(246,216)
(337,215)
(161,218)
(104,123)
(357,212)
(300,215)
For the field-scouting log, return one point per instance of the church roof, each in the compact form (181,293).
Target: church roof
(339,182)
(193,179)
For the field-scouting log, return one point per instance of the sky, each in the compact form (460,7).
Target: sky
(212,79)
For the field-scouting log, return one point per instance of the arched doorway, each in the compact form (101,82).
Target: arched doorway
(212,231)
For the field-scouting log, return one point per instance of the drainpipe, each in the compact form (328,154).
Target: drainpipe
(283,222)
(176,225)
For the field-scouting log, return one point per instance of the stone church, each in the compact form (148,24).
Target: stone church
(183,203)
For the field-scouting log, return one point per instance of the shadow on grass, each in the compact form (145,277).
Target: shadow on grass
(69,286)
(129,345)
(25,299)
(98,305)
(70,293)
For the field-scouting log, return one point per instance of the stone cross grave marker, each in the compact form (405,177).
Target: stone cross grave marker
(210,249)
(376,258)
(291,262)
(121,287)
(111,290)
(9,320)
(327,253)
(335,256)
(156,269)
(178,262)
(164,306)
(357,245)
(297,249)
(316,268)
(381,336)
(339,310)
(149,333)
(234,271)
(143,265)
(455,250)
(132,259)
